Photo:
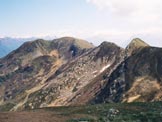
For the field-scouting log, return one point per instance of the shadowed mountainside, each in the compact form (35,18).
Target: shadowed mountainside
(137,78)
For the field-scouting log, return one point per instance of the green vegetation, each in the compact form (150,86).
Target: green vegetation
(81,120)
(133,112)
(119,112)
(7,107)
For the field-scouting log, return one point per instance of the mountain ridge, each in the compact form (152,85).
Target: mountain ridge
(66,70)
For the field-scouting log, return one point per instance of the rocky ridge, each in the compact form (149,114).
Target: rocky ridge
(64,71)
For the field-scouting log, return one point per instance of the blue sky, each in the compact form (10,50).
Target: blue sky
(40,17)
(94,20)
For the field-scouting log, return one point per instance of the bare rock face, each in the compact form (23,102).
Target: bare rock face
(69,71)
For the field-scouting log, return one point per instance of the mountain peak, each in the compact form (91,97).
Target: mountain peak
(135,44)
(108,48)
(107,44)
(75,41)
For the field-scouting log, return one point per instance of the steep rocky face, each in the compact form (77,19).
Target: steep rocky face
(137,78)
(143,75)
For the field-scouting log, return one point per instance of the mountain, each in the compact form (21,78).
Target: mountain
(27,69)
(66,70)
(8,44)
(137,78)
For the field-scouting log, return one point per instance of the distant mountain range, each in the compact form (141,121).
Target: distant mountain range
(8,44)
(69,71)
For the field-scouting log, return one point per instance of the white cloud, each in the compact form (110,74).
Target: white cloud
(130,19)
(131,10)
(129,7)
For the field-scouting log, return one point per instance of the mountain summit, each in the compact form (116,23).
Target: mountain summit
(134,45)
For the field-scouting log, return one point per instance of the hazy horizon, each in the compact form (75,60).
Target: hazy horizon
(92,20)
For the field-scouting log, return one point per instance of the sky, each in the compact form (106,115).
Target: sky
(117,21)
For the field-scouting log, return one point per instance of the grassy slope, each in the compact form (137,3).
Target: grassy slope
(133,112)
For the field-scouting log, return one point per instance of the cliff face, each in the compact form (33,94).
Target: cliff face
(64,71)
